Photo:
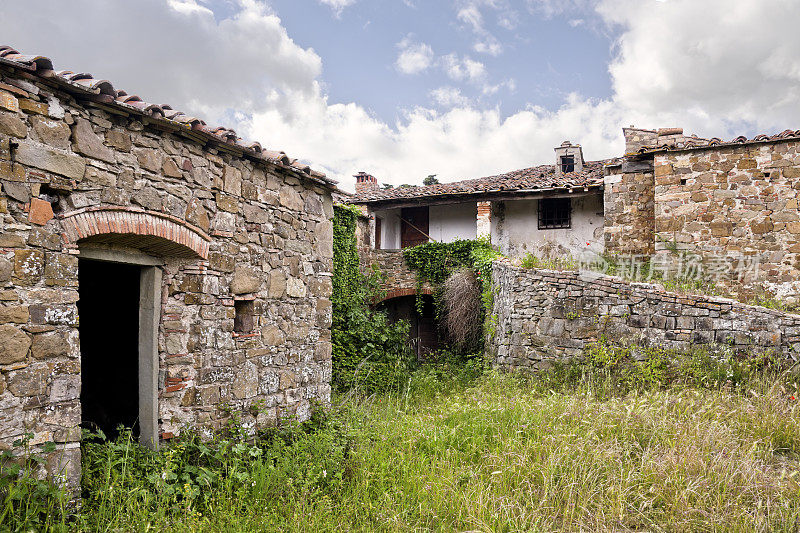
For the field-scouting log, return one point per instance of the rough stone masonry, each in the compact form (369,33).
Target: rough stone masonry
(545,315)
(83,172)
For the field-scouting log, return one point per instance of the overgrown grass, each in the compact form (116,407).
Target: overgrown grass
(460,449)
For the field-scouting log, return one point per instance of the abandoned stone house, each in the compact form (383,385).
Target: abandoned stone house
(728,203)
(731,207)
(153,269)
(558,206)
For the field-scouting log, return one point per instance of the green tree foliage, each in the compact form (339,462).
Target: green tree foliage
(430,180)
(369,352)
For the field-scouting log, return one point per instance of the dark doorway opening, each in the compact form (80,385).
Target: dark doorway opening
(108,309)
(424,331)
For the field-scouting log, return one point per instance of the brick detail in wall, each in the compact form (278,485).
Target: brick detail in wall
(544,315)
(83,224)
(397,293)
(398,278)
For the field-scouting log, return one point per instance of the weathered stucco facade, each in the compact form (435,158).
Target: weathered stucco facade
(514,228)
(233,247)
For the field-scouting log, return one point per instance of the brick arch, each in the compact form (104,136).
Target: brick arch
(398,293)
(150,231)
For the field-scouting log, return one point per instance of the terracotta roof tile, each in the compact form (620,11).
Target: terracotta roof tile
(103,91)
(540,178)
(696,143)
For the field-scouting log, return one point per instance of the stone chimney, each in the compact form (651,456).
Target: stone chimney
(365,182)
(638,138)
(569,158)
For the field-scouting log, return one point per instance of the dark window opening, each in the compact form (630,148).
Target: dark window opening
(378,224)
(243,321)
(683,181)
(555,213)
(108,311)
(567,163)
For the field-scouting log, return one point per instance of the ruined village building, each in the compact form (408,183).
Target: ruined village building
(153,269)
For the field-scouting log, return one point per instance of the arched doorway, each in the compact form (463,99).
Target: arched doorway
(120,258)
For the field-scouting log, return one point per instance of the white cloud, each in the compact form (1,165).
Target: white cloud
(489,89)
(189,7)
(413,57)
(721,70)
(449,97)
(469,13)
(551,8)
(338,5)
(729,68)
(186,57)
(463,69)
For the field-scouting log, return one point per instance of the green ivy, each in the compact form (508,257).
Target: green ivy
(434,262)
(369,352)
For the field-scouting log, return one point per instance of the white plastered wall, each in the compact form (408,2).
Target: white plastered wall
(514,228)
(446,223)
(451,222)
(390,228)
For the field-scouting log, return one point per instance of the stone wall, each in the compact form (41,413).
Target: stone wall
(225,227)
(628,205)
(734,202)
(399,279)
(544,315)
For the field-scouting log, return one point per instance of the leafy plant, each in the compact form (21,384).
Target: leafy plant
(369,351)
(30,502)
(436,262)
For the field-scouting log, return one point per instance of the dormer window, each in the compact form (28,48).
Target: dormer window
(569,158)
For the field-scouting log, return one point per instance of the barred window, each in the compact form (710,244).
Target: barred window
(555,213)
(567,163)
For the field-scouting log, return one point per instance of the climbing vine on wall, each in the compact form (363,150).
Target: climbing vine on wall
(435,262)
(369,352)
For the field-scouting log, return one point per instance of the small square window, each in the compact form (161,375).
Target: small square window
(567,163)
(243,318)
(555,213)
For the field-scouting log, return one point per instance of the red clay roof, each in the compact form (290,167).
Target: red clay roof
(103,92)
(695,143)
(533,179)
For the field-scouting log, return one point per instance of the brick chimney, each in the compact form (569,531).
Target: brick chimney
(365,182)
(569,158)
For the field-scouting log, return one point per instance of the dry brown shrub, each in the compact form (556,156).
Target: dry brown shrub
(463,310)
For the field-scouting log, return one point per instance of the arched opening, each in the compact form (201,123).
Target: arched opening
(119,309)
(120,253)
(424,334)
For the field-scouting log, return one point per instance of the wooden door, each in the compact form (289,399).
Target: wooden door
(413,226)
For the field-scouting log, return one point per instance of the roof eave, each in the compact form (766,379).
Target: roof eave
(481,196)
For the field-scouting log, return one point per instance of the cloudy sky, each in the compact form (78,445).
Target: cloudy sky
(457,88)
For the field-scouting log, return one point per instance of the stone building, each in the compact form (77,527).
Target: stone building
(552,208)
(728,210)
(732,205)
(154,271)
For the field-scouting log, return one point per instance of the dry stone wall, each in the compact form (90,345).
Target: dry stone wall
(544,315)
(265,235)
